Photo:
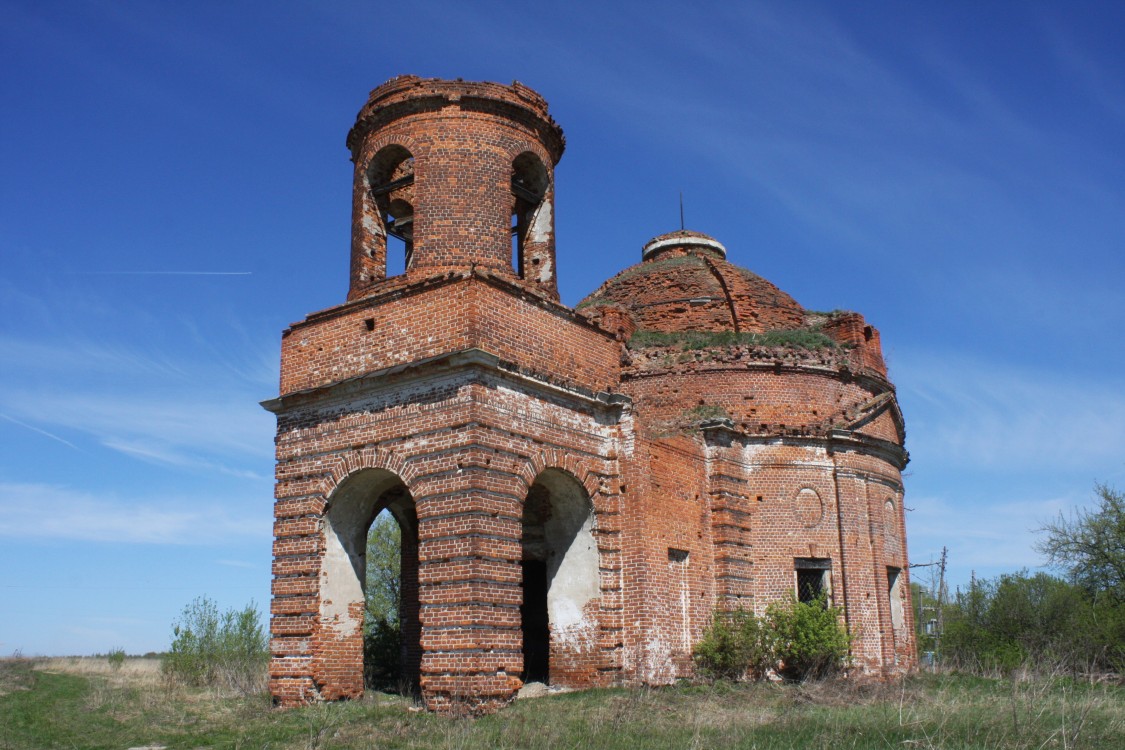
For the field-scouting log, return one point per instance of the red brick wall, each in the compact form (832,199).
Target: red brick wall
(759,396)
(442,317)
(468,456)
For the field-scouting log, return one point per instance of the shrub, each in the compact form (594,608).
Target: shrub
(720,655)
(382,655)
(809,639)
(214,649)
(804,640)
(737,645)
(116,658)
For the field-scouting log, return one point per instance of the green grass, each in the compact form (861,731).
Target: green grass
(798,338)
(48,706)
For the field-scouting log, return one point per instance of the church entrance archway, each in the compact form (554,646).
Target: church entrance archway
(560,579)
(345,616)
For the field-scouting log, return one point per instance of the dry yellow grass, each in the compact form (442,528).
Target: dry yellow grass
(134,671)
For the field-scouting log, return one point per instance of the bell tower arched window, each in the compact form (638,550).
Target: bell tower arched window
(530,183)
(391,178)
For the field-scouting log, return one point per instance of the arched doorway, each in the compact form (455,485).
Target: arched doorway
(348,520)
(560,579)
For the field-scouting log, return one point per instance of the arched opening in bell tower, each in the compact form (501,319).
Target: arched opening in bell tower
(391,179)
(369,607)
(560,579)
(529,189)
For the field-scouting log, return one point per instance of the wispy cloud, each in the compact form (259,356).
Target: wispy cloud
(165,455)
(237,564)
(970,412)
(151,425)
(45,511)
(66,356)
(200,415)
(981,534)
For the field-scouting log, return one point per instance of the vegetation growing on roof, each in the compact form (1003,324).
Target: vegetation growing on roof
(705,413)
(796,338)
(833,313)
(648,267)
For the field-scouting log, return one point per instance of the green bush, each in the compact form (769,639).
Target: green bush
(799,640)
(116,658)
(736,646)
(209,648)
(382,656)
(809,640)
(720,655)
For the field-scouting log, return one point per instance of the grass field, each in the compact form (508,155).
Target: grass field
(85,703)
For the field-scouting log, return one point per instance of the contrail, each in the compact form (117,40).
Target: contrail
(163,273)
(13,420)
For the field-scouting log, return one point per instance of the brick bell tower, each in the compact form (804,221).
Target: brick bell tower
(462,174)
(459,395)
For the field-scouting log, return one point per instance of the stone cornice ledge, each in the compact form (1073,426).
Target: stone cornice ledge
(836,439)
(464,359)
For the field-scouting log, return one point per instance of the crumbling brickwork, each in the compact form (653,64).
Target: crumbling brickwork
(578,490)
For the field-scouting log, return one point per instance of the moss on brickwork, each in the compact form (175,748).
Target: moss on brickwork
(652,266)
(705,412)
(799,338)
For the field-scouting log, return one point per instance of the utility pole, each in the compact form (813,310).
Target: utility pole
(940,606)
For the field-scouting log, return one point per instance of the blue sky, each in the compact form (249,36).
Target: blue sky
(175,190)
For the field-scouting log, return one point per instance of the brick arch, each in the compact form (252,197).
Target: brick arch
(372,147)
(516,147)
(343,465)
(538,462)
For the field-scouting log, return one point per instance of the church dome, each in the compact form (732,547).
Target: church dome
(684,283)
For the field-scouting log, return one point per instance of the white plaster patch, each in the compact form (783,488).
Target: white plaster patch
(541,224)
(373,226)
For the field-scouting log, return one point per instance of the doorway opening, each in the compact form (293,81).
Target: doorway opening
(536,625)
(560,577)
(371,582)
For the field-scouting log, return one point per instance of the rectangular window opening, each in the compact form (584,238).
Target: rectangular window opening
(814,579)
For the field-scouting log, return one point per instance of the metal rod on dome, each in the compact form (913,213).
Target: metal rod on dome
(681,210)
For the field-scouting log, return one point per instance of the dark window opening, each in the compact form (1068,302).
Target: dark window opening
(814,577)
(536,628)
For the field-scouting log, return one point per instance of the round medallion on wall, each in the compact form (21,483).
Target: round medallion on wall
(808,507)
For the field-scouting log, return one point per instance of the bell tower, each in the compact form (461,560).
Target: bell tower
(453,391)
(453,175)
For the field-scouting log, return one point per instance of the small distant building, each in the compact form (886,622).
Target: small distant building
(578,489)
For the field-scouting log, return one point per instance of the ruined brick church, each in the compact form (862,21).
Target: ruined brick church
(578,490)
